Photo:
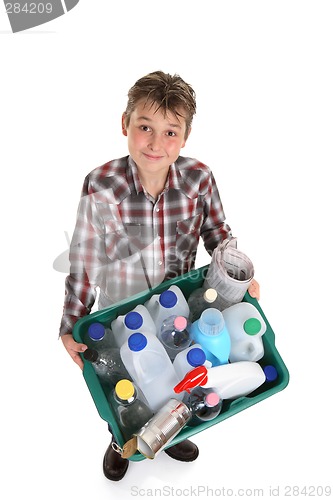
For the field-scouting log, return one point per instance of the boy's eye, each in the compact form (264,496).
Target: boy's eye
(145,128)
(171,133)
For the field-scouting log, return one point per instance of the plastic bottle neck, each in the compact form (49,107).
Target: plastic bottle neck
(211,322)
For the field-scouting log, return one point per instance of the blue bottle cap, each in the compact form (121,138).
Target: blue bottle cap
(137,342)
(96,331)
(196,357)
(133,320)
(168,298)
(270,373)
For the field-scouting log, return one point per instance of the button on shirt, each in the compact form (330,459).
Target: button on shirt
(125,241)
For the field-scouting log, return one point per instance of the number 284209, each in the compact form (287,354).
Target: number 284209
(28,8)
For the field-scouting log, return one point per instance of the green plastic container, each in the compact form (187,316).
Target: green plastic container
(187,283)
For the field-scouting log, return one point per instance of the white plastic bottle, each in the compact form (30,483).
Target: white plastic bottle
(246,327)
(171,302)
(201,299)
(234,380)
(137,320)
(188,359)
(150,368)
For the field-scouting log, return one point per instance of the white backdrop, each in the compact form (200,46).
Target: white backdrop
(262,71)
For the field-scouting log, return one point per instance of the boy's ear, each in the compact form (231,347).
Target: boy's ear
(123,126)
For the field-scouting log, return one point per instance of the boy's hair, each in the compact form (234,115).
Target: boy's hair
(170,93)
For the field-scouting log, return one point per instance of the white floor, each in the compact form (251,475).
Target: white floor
(263,76)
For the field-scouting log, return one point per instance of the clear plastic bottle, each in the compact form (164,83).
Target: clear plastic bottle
(171,302)
(205,404)
(174,335)
(137,320)
(188,359)
(201,299)
(131,409)
(150,368)
(107,364)
(212,334)
(99,337)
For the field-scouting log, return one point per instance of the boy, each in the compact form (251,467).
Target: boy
(140,218)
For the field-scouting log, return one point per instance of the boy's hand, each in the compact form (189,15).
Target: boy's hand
(73,348)
(254,289)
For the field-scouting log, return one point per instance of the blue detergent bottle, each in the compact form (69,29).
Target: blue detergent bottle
(211,333)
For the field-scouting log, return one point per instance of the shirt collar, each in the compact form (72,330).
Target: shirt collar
(133,176)
(179,178)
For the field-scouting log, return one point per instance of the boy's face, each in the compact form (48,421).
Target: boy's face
(154,140)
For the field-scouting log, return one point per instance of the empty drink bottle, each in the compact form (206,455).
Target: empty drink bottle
(205,404)
(174,335)
(201,299)
(131,410)
(107,364)
(98,337)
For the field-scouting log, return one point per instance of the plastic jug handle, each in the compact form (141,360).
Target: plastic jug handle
(192,379)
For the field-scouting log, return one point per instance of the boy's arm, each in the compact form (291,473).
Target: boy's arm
(214,229)
(87,257)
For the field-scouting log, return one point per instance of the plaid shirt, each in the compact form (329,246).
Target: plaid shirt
(125,241)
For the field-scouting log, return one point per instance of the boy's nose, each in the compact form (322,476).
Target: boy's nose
(154,143)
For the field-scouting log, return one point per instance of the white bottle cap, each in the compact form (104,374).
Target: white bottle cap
(210,295)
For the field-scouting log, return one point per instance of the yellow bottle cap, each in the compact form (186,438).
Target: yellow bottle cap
(124,389)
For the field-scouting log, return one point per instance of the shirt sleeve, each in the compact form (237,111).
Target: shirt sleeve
(214,228)
(87,259)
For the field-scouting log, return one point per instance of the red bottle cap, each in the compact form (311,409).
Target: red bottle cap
(195,377)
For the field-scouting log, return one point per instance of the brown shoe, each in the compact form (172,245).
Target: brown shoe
(114,466)
(185,451)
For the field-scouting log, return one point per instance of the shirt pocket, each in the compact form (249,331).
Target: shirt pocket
(187,237)
(116,240)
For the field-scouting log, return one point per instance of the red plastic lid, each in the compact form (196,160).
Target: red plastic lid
(195,377)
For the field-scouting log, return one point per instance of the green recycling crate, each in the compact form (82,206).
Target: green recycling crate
(187,283)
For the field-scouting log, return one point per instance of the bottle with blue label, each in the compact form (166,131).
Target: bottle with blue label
(137,320)
(212,334)
(99,337)
(171,302)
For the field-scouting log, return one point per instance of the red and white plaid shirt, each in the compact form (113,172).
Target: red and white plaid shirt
(125,241)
